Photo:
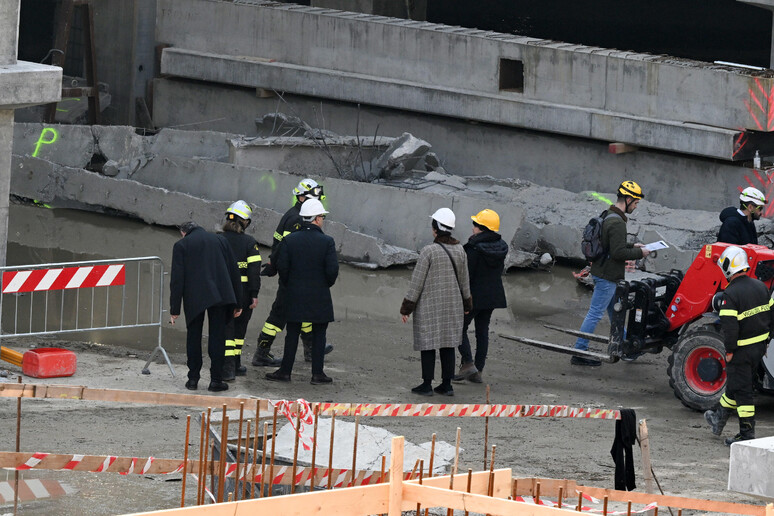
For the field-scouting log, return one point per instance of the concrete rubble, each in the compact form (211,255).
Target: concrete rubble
(379,212)
(372,443)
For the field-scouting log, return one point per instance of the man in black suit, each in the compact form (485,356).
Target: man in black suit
(308,268)
(204,277)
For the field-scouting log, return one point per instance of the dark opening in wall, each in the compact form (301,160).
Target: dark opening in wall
(511,75)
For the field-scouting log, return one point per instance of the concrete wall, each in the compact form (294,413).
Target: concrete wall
(124,34)
(570,89)
(468,148)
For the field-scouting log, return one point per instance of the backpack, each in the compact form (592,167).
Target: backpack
(591,244)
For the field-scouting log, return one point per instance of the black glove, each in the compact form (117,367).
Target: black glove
(267,269)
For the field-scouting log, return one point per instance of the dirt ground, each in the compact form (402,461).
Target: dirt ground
(373,361)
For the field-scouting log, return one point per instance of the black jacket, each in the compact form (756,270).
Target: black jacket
(204,274)
(745,313)
(308,268)
(290,222)
(486,258)
(736,229)
(248,258)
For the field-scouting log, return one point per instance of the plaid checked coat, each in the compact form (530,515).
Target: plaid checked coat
(435,296)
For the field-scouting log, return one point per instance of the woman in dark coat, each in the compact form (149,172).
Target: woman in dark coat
(438,298)
(486,253)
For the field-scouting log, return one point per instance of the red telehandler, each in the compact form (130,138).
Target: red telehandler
(674,310)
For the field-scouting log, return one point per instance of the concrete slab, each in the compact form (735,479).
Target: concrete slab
(513,109)
(751,468)
(25,84)
(372,444)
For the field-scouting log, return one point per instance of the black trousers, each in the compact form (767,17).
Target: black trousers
(318,347)
(236,328)
(428,364)
(741,373)
(481,318)
(217,317)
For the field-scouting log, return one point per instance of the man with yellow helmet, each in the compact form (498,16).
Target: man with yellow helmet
(610,269)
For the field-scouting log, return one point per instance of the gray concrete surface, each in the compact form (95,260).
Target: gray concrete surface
(21,84)
(751,468)
(466,148)
(381,223)
(647,100)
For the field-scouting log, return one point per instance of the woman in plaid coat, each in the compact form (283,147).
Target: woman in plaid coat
(438,296)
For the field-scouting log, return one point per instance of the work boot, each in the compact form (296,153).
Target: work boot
(306,340)
(229,369)
(589,362)
(746,431)
(239,370)
(466,370)
(718,418)
(217,386)
(262,356)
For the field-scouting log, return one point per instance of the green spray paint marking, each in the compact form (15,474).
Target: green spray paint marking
(270,179)
(42,139)
(600,197)
(74,99)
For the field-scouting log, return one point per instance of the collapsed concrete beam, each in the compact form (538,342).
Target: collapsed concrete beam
(48,182)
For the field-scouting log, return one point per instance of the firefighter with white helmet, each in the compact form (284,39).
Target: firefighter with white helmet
(747,319)
(248,257)
(738,224)
(291,221)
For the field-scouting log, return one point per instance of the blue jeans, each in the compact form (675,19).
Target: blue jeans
(602,299)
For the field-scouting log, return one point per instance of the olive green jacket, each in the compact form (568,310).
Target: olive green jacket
(612,266)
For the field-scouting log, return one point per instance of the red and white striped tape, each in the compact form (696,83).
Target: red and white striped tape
(305,418)
(466,410)
(39,280)
(34,489)
(584,508)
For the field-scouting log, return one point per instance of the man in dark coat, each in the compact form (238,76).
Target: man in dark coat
(308,268)
(738,224)
(486,253)
(204,277)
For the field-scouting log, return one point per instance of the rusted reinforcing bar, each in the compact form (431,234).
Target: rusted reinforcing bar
(67,392)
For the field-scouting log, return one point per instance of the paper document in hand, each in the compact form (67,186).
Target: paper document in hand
(655,246)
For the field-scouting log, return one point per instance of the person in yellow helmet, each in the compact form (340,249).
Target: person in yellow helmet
(611,267)
(486,253)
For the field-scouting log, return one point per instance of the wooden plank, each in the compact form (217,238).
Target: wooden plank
(395,497)
(462,501)
(647,469)
(549,487)
(678,502)
(479,483)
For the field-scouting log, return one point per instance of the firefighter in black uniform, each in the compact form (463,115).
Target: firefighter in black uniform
(748,322)
(290,222)
(248,258)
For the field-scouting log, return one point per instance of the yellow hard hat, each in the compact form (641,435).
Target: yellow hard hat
(631,189)
(487,218)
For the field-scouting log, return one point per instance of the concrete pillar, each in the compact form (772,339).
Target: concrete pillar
(769,6)
(21,84)
(9,31)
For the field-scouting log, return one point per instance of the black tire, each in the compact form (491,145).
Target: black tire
(697,368)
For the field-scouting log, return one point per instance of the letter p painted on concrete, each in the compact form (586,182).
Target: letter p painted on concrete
(43,141)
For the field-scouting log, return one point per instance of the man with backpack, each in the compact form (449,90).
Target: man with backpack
(609,266)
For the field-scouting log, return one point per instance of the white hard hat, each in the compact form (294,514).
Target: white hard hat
(733,260)
(753,195)
(241,209)
(312,208)
(445,218)
(308,187)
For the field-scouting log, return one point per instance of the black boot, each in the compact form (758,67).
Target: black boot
(262,356)
(240,370)
(229,369)
(718,418)
(746,431)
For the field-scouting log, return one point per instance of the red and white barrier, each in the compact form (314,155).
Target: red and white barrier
(40,280)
